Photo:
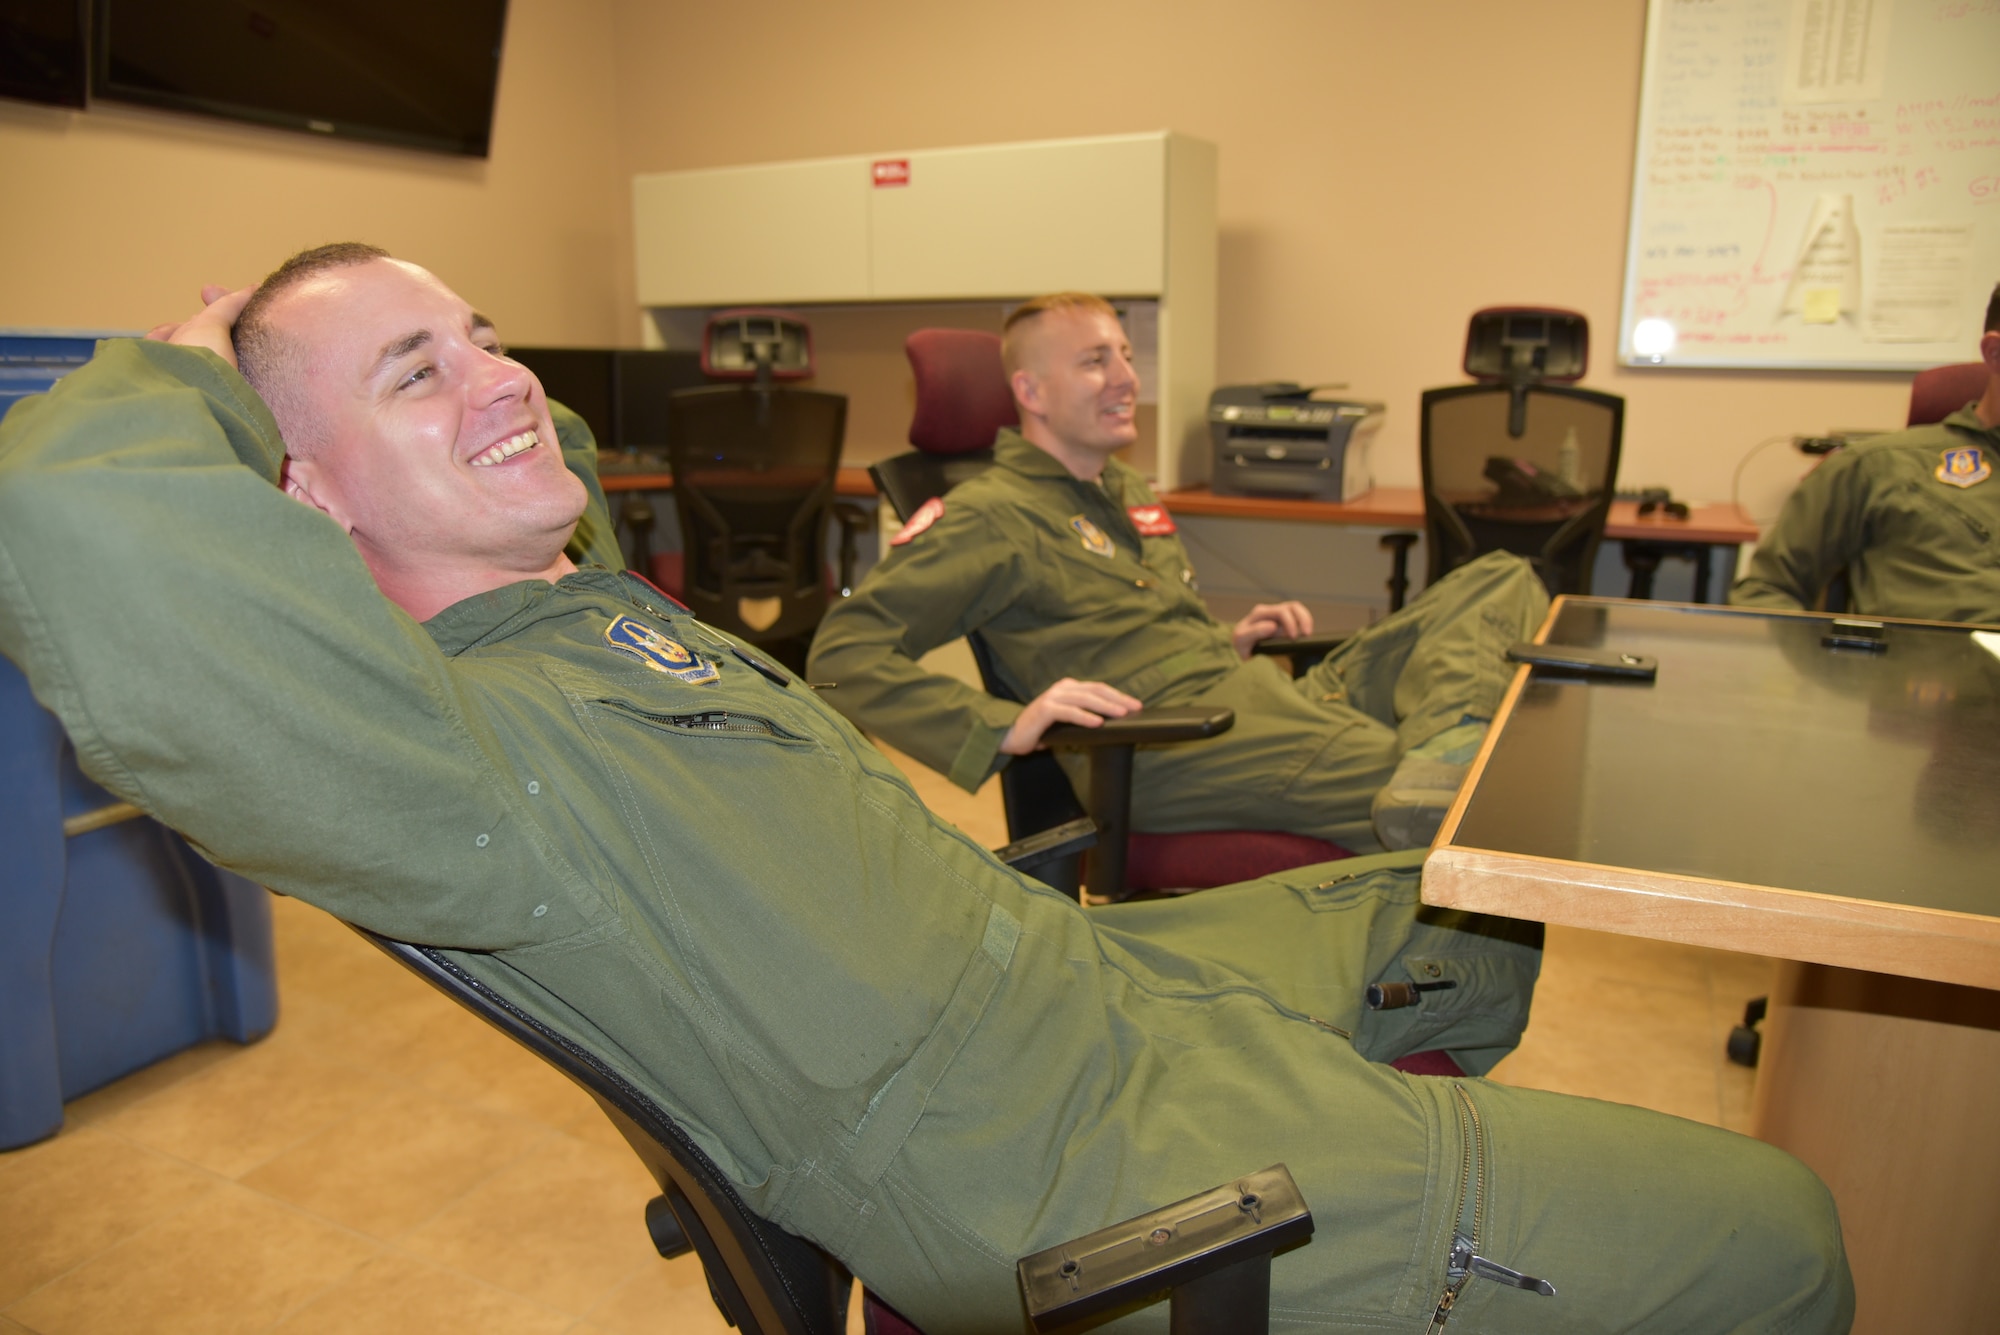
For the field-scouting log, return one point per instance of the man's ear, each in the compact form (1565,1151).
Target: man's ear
(1989,350)
(300,479)
(1027,392)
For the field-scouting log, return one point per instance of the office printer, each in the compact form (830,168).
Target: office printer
(1276,439)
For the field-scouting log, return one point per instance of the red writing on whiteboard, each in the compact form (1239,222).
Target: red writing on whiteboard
(1984,187)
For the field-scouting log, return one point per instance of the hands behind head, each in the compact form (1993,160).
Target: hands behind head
(209,327)
(1290,619)
(1068,701)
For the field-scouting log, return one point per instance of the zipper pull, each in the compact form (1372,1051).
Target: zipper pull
(1464,1261)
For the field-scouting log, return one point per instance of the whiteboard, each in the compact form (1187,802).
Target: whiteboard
(1816,185)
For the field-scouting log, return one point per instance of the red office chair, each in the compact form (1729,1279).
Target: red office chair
(1941,391)
(962,402)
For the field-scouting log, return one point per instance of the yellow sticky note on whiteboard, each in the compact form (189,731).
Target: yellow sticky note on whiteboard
(1821,305)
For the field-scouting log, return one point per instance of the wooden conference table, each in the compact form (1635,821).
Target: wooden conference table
(1835,807)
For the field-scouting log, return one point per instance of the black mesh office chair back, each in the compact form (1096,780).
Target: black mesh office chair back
(754,468)
(1518,462)
(765,1280)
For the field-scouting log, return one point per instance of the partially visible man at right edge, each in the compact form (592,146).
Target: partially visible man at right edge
(1912,516)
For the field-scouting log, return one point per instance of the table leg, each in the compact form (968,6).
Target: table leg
(1643,560)
(1889,1089)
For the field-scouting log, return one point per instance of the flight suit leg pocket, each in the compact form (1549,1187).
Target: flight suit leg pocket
(1472,1004)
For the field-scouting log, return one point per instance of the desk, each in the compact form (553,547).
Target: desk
(850,482)
(1645,538)
(1840,809)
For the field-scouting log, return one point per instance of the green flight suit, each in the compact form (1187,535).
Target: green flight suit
(892,1044)
(1913,517)
(1059,582)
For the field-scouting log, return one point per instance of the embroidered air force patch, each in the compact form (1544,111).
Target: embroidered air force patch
(1093,537)
(1963,467)
(927,514)
(1152,521)
(659,652)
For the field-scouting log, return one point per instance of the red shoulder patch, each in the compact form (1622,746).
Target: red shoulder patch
(1152,521)
(927,514)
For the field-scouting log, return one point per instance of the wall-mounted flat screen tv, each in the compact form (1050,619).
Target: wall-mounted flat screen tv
(41,51)
(420,73)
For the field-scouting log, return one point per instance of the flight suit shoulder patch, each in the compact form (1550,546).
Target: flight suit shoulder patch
(1152,521)
(1963,467)
(659,651)
(927,514)
(1093,537)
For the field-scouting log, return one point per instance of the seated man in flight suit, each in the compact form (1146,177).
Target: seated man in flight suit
(1912,516)
(360,633)
(1067,565)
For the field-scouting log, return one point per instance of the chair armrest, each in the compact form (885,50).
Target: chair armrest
(1213,1250)
(1145,728)
(1316,646)
(1046,846)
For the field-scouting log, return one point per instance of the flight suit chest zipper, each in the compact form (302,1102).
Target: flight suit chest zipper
(720,721)
(1464,1260)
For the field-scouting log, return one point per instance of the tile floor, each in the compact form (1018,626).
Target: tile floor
(385,1163)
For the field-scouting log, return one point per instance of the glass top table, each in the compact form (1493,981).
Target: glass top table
(1765,793)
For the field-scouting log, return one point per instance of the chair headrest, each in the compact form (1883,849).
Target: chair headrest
(1941,391)
(1527,345)
(734,342)
(962,395)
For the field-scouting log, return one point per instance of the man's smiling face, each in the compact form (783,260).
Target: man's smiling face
(1078,384)
(431,448)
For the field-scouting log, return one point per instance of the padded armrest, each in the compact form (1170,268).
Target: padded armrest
(1148,726)
(1313,645)
(1046,846)
(1224,1237)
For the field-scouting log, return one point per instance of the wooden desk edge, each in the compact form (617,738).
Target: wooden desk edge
(850,481)
(1764,920)
(1717,523)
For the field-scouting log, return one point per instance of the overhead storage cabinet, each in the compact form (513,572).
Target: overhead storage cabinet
(1122,216)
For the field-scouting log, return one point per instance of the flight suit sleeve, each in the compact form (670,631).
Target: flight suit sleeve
(952,578)
(595,541)
(221,657)
(1820,531)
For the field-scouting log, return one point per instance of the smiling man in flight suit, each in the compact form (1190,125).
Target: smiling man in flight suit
(1070,570)
(1912,516)
(420,693)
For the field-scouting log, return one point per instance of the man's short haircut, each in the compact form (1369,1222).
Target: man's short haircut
(1014,336)
(1993,311)
(274,364)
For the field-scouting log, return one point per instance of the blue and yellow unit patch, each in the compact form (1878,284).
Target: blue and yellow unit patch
(659,651)
(1093,537)
(1963,467)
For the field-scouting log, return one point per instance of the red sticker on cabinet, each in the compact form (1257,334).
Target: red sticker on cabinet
(890,171)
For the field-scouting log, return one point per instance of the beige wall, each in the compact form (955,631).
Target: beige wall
(1385,169)
(114,218)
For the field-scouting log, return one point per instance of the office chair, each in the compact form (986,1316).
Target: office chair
(1521,461)
(120,945)
(962,403)
(1941,391)
(754,467)
(765,1280)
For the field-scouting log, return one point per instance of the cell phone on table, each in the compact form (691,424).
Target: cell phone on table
(1585,661)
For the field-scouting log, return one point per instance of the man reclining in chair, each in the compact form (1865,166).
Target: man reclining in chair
(1069,568)
(477,736)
